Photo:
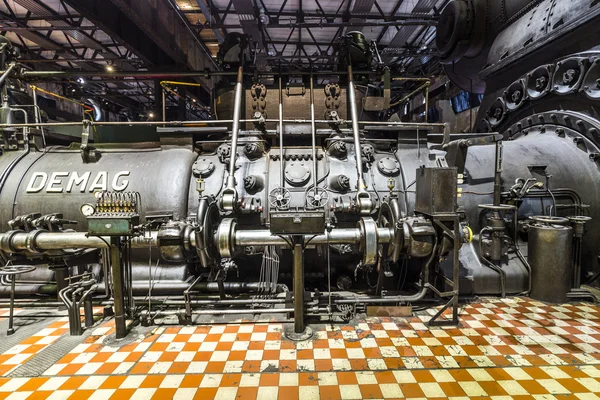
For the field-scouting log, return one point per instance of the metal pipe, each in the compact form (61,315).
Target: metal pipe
(281,177)
(118,289)
(263,237)
(498,173)
(11,315)
(313,130)
(230,195)
(362,196)
(396,299)
(298,287)
(6,73)
(164,105)
(131,123)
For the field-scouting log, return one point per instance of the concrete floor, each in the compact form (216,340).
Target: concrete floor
(503,349)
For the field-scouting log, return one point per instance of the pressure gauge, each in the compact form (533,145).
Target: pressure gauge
(87,209)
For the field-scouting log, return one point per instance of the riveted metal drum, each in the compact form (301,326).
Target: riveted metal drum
(550,248)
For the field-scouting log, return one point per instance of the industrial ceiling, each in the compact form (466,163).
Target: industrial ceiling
(153,35)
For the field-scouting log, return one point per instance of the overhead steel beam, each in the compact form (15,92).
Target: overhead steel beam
(85,39)
(209,19)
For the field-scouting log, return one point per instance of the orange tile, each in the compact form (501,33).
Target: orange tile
(372,352)
(370,392)
(359,365)
(244,393)
(572,385)
(215,367)
(323,365)
(237,356)
(141,368)
(70,369)
(329,392)
(288,365)
(251,366)
(224,346)
(229,380)
(191,381)
(168,356)
(73,383)
(202,356)
(304,354)
(178,368)
(134,357)
(82,395)
(269,379)
(494,389)
(164,393)
(256,345)
(270,355)
(113,382)
(423,376)
(152,381)
(346,378)
(32,384)
(308,379)
(411,390)
(205,393)
(288,393)
(338,353)
(452,389)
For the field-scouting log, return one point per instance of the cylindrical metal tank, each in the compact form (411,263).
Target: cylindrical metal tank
(550,249)
(58,181)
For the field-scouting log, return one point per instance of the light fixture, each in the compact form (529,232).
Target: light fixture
(110,68)
(81,81)
(151,115)
(263,17)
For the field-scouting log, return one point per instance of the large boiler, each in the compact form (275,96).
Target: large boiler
(303,198)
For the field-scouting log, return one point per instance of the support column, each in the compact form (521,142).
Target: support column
(118,288)
(300,331)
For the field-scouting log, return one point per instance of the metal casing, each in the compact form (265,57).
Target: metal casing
(297,222)
(436,190)
(550,249)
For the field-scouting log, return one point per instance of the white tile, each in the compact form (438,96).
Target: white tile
(258,337)
(480,375)
(513,388)
(185,393)
(240,345)
(171,381)
(250,380)
(196,367)
(558,373)
(305,365)
(267,393)
(233,367)
(220,355)
(123,368)
(216,329)
(18,359)
(341,364)
(355,353)
(143,346)
(376,364)
(60,395)
(389,352)
(94,382)
(197,338)
(590,384)
(321,354)
(269,365)
(13,384)
(327,379)
(175,346)
(412,363)
(309,392)
(472,389)
(552,386)
(272,344)
(226,393)
(102,394)
(254,355)
(287,354)
(118,357)
(288,379)
(366,378)
(350,392)
(208,346)
(160,367)
(391,390)
(432,389)
(53,383)
(151,356)
(404,377)
(211,380)
(142,394)
(17,349)
(518,374)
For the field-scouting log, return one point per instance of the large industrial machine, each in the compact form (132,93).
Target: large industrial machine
(303,198)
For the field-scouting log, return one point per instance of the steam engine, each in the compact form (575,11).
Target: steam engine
(303,194)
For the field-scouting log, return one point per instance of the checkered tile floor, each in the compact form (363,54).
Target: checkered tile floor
(510,348)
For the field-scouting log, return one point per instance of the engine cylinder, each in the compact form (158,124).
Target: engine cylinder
(550,248)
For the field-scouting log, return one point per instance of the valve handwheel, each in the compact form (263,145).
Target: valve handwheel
(280,198)
(317,198)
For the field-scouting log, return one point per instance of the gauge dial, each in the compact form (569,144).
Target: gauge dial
(87,209)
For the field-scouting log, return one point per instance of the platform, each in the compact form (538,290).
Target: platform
(504,348)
